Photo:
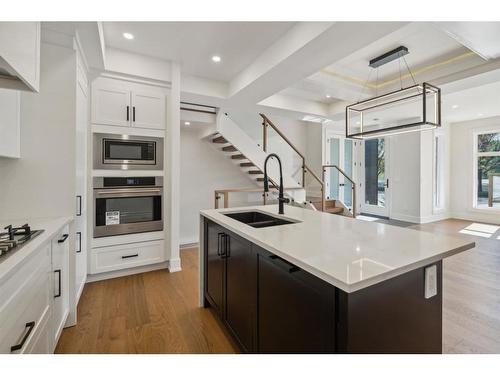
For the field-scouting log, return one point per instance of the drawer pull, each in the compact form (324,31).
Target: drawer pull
(79,234)
(30,327)
(63,238)
(130,256)
(58,283)
(291,267)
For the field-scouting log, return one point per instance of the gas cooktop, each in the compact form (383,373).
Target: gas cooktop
(14,239)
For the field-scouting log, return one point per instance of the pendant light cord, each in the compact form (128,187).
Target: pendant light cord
(411,74)
(364,85)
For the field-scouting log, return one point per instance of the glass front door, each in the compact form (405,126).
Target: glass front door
(376,179)
(341,154)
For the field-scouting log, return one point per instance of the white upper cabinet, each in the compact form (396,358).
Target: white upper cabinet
(10,130)
(148,110)
(20,55)
(120,103)
(110,106)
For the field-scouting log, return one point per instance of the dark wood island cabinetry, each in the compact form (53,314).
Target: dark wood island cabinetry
(272,306)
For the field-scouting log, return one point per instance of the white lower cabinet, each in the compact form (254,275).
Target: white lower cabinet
(118,257)
(34,305)
(60,282)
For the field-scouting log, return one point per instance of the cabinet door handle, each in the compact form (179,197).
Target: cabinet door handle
(227,246)
(59,283)
(63,238)
(133,113)
(79,234)
(128,111)
(290,267)
(30,327)
(219,235)
(79,212)
(129,256)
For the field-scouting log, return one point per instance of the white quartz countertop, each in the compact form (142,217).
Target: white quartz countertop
(348,253)
(51,226)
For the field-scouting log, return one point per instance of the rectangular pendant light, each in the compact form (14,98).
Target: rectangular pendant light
(388,57)
(414,108)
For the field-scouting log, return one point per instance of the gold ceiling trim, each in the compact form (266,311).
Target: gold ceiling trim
(416,72)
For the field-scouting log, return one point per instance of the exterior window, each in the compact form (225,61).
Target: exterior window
(438,172)
(487,177)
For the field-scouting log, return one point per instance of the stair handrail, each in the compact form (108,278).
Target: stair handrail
(305,169)
(225,193)
(353,184)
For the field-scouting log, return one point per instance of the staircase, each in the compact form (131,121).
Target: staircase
(249,156)
(241,160)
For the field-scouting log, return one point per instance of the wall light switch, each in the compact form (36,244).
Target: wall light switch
(430,281)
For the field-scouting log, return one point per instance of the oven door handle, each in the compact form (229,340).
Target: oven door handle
(131,192)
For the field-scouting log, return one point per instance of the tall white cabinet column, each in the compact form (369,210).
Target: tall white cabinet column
(172,161)
(81,157)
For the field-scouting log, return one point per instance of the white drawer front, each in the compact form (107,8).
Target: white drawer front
(26,311)
(112,258)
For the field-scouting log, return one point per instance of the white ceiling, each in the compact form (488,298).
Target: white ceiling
(194,43)
(425,42)
(433,53)
(475,103)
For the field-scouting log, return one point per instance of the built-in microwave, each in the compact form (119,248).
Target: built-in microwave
(114,151)
(125,205)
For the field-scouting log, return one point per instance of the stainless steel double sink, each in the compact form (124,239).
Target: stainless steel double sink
(258,219)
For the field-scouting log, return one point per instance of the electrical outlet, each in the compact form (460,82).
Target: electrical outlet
(430,281)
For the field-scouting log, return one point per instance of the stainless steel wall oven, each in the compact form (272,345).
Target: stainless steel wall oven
(114,151)
(125,205)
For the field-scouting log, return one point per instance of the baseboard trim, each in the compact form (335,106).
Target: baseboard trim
(477,217)
(189,245)
(174,265)
(128,272)
(407,218)
(80,291)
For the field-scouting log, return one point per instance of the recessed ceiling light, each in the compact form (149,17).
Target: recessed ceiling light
(480,114)
(328,96)
(187,123)
(128,36)
(454,106)
(216,58)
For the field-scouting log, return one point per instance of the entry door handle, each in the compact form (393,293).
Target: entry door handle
(387,183)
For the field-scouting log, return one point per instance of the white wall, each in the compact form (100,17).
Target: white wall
(203,169)
(138,65)
(462,166)
(404,177)
(42,182)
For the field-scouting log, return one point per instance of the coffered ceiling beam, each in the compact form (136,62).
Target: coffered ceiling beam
(301,52)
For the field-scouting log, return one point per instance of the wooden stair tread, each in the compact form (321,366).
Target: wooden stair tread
(334,210)
(219,139)
(255,172)
(229,149)
(238,156)
(247,164)
(260,179)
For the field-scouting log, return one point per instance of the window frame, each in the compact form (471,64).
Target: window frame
(438,166)
(475,156)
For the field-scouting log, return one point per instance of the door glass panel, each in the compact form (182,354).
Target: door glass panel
(348,144)
(127,210)
(375,172)
(488,171)
(334,175)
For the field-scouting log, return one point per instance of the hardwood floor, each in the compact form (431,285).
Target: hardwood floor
(471,289)
(157,312)
(154,312)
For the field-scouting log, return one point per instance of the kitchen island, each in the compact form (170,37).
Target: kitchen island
(312,282)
